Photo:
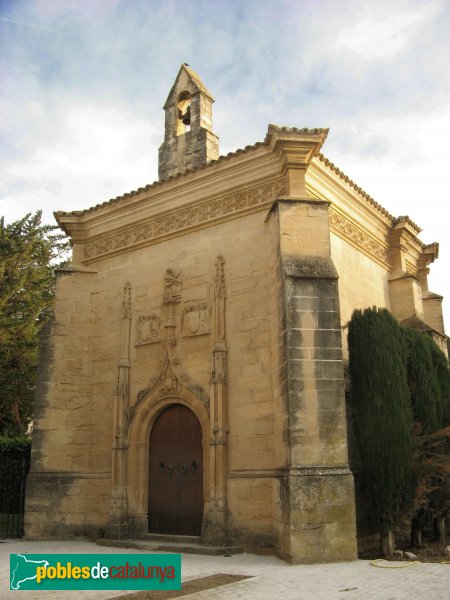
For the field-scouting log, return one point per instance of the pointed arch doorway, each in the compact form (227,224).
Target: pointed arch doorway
(175,495)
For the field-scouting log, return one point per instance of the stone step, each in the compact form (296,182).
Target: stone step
(175,547)
(179,539)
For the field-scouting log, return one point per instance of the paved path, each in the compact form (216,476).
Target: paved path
(271,578)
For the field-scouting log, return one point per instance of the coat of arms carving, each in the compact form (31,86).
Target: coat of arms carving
(148,330)
(195,319)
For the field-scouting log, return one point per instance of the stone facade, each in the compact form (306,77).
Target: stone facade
(224,287)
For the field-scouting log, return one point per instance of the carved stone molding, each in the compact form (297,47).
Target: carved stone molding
(220,277)
(125,311)
(219,373)
(172,287)
(171,379)
(119,506)
(195,319)
(148,329)
(122,388)
(411,268)
(186,218)
(217,525)
(344,228)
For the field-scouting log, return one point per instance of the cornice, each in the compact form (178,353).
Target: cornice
(308,141)
(295,130)
(251,169)
(342,176)
(236,184)
(411,268)
(124,198)
(377,212)
(185,220)
(352,218)
(410,222)
(410,232)
(403,239)
(294,150)
(359,238)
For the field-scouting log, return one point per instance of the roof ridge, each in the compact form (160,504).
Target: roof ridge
(237,152)
(159,182)
(352,184)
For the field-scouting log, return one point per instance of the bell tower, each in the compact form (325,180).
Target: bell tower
(189,141)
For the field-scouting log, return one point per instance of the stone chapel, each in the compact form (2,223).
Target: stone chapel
(191,381)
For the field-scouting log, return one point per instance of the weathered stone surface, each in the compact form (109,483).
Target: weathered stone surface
(309,267)
(189,141)
(217,289)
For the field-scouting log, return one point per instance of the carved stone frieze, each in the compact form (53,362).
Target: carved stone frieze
(148,329)
(344,228)
(195,319)
(186,218)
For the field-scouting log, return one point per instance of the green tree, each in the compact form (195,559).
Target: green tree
(423,382)
(429,382)
(383,417)
(442,371)
(29,254)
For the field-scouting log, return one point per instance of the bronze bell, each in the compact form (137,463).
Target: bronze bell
(186,118)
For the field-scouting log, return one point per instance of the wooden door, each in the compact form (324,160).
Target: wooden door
(175,496)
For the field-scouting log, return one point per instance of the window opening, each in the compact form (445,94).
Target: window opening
(184,113)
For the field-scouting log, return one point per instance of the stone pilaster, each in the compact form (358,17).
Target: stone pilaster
(216,525)
(316,494)
(119,505)
(63,442)
(432,303)
(404,287)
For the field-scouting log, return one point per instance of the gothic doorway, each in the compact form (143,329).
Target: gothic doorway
(175,498)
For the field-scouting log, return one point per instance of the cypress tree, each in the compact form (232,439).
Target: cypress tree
(383,417)
(429,379)
(423,382)
(442,371)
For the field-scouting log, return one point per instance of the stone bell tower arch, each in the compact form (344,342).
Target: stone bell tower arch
(189,141)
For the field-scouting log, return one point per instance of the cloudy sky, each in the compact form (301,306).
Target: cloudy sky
(83,83)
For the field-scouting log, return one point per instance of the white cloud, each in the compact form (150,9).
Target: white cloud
(90,154)
(82,103)
(383,35)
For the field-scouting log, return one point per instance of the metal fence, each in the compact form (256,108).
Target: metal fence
(13,475)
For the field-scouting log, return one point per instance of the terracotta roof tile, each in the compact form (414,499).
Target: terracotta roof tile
(353,185)
(160,182)
(239,151)
(408,220)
